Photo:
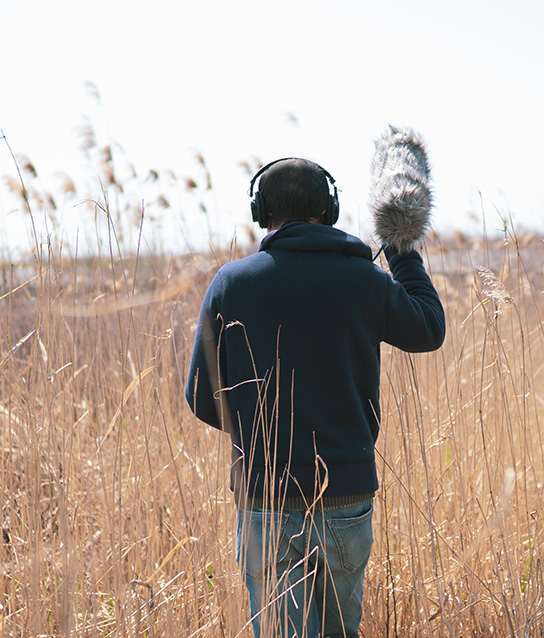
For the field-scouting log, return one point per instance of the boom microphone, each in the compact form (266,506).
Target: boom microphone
(400,194)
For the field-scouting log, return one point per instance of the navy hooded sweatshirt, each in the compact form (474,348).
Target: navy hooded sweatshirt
(287,357)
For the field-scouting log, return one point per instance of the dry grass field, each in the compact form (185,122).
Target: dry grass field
(116,515)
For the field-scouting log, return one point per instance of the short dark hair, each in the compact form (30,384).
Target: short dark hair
(294,189)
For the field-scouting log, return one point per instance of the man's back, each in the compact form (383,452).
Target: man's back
(299,326)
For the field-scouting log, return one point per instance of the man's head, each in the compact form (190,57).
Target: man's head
(293,189)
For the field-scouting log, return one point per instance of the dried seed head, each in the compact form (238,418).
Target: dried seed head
(494,289)
(163,202)
(26,166)
(92,91)
(14,185)
(66,183)
(105,153)
(87,136)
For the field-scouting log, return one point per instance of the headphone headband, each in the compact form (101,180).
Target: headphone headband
(259,213)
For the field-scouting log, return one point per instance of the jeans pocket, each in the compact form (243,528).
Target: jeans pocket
(353,537)
(260,535)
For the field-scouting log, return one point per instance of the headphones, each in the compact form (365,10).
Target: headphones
(258,210)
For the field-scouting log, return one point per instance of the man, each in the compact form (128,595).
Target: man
(287,360)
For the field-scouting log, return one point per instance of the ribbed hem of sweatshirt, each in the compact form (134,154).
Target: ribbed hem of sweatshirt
(304,482)
(300,503)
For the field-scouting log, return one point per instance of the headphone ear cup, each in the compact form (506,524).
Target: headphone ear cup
(254,210)
(258,213)
(335,208)
(331,213)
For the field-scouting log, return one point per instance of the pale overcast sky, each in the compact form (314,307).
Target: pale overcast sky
(312,78)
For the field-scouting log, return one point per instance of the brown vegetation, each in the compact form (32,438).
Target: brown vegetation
(116,515)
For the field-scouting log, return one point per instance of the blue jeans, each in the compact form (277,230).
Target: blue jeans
(304,572)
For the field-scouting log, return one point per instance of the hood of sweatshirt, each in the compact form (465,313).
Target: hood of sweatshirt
(301,235)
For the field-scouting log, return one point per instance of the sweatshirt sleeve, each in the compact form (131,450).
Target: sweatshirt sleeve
(204,380)
(414,316)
